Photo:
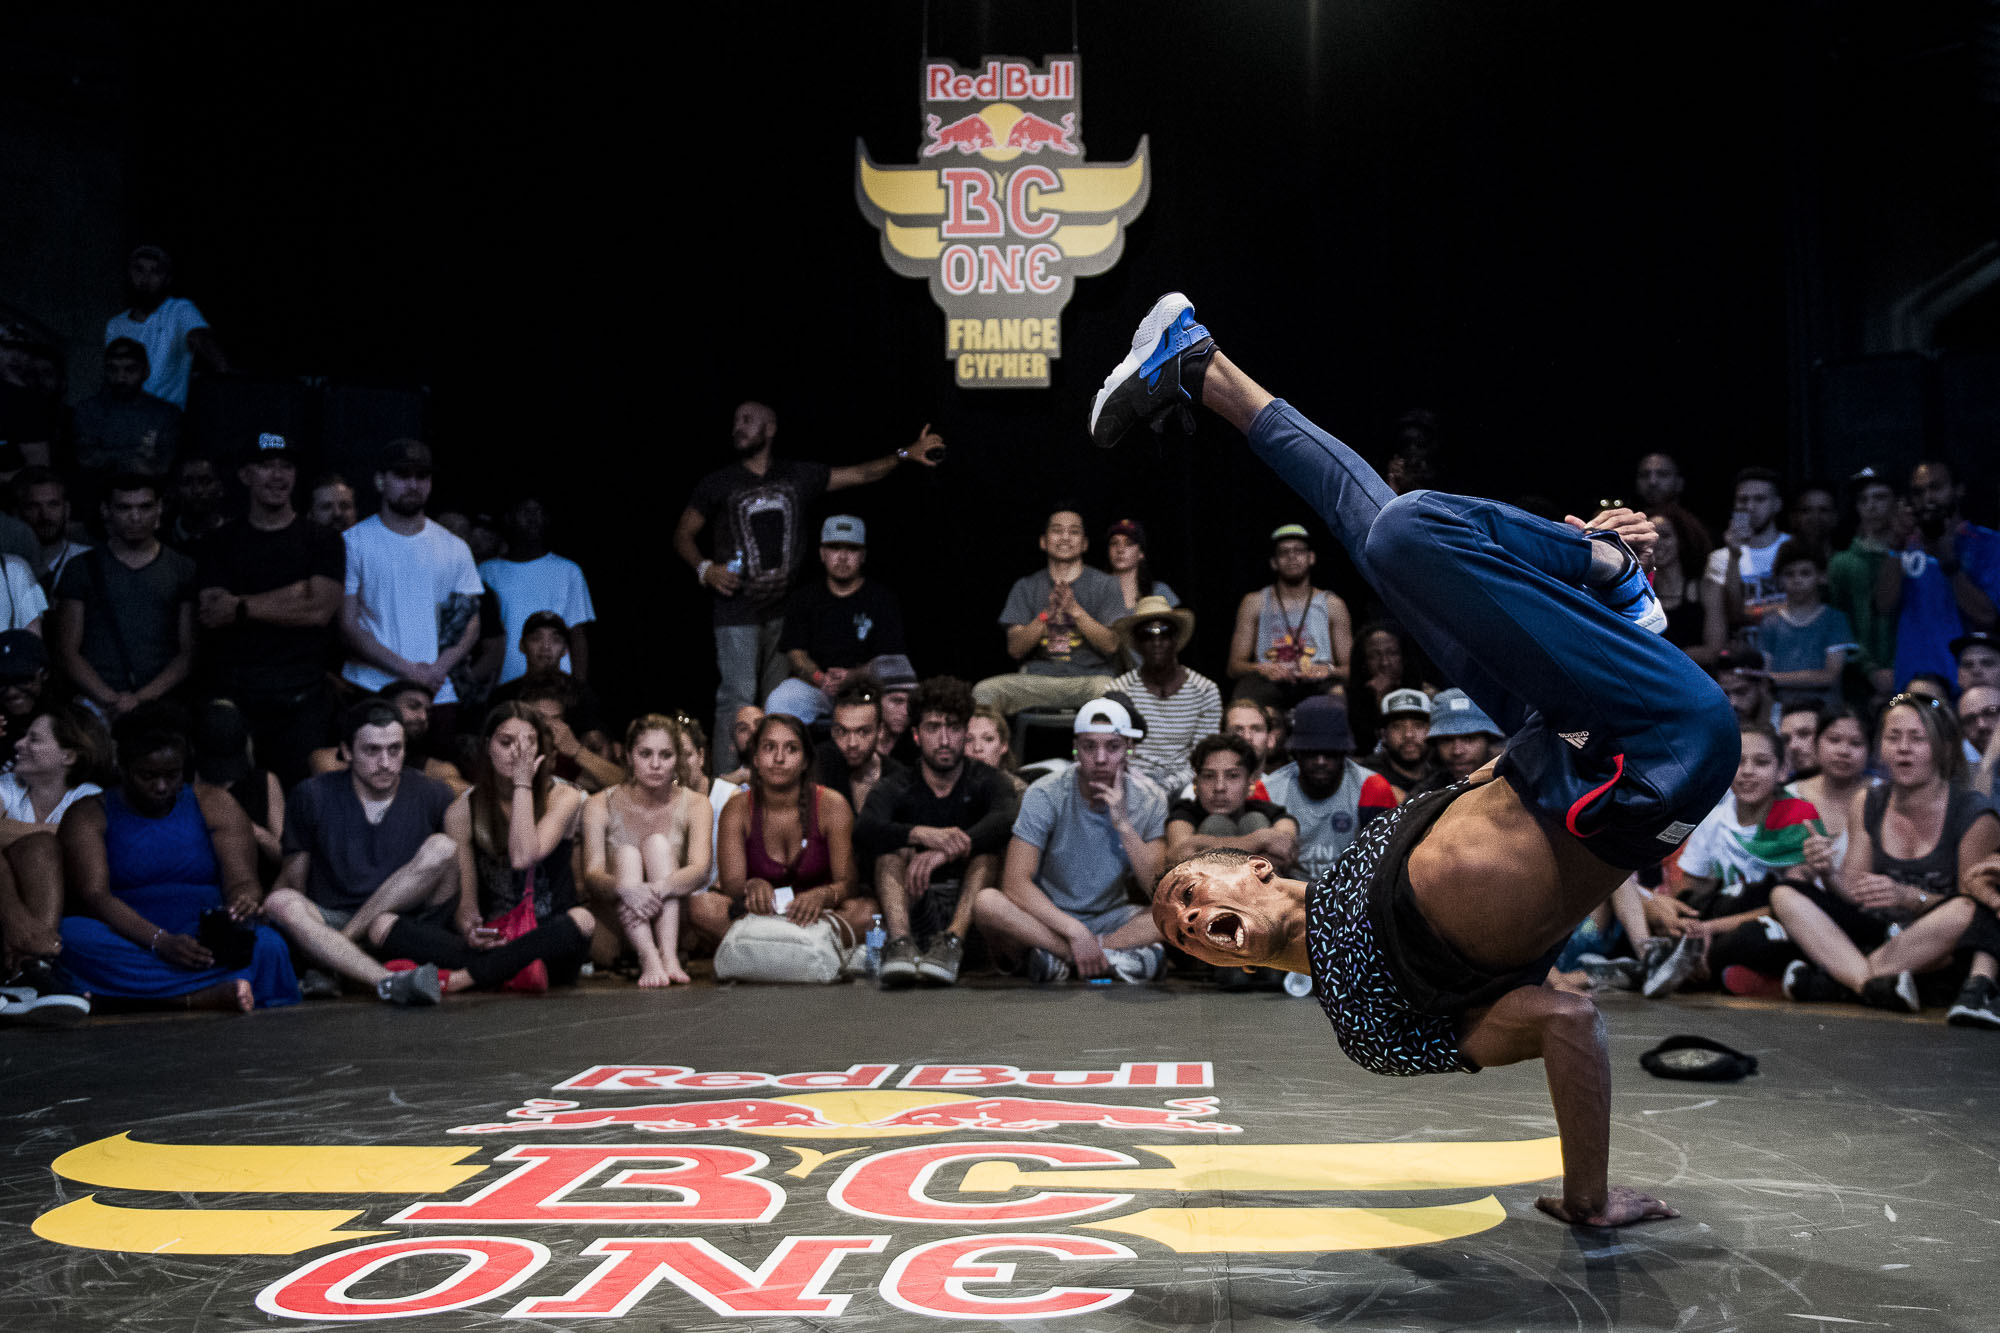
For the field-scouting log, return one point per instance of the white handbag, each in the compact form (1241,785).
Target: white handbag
(772,949)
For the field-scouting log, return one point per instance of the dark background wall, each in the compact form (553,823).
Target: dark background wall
(1577,232)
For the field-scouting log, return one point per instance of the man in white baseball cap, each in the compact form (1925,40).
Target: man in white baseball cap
(1400,754)
(1083,838)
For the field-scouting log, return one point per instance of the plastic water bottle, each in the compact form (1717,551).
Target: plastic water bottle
(735,565)
(1298,985)
(876,938)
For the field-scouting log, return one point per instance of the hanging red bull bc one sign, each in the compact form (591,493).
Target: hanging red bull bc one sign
(1002,214)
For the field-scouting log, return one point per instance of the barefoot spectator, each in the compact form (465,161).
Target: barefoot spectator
(149,863)
(124,632)
(1291,639)
(754,511)
(411,609)
(1944,580)
(646,847)
(333,504)
(1223,813)
(121,427)
(169,328)
(1180,704)
(834,626)
(530,578)
(1058,626)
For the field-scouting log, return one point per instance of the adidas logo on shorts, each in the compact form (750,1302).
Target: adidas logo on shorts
(1577,738)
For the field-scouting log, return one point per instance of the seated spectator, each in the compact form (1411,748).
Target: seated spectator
(1180,704)
(515,833)
(1979,720)
(1087,846)
(270,590)
(1977,656)
(1400,752)
(834,626)
(1388,662)
(1945,580)
(530,578)
(742,726)
(411,610)
(1838,774)
(1330,795)
(897,680)
(1291,639)
(221,743)
(124,632)
(646,846)
(1677,571)
(1755,836)
(148,862)
(331,505)
(785,843)
(1851,575)
(24,686)
(1798,725)
(1932,684)
(1125,554)
(1224,814)
(194,502)
(1740,586)
(58,756)
(1895,908)
(42,500)
(1805,642)
(1250,721)
(171,330)
(694,775)
(1462,738)
(1058,622)
(412,702)
(988,740)
(936,833)
(1741,674)
(852,764)
(121,427)
(574,760)
(363,842)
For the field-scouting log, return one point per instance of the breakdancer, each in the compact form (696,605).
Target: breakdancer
(1429,941)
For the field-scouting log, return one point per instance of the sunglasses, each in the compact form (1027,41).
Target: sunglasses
(1157,629)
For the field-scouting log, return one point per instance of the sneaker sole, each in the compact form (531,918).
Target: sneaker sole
(904,975)
(47,1011)
(1145,343)
(1961,1017)
(936,976)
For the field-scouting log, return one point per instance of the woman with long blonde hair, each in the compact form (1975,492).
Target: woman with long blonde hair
(647,845)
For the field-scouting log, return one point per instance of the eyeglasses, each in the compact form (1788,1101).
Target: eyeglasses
(1989,713)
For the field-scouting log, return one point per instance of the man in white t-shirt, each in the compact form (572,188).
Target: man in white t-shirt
(171,330)
(530,578)
(412,606)
(1740,586)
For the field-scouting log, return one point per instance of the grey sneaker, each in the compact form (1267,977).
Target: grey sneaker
(939,965)
(1674,970)
(1134,965)
(899,963)
(1045,968)
(419,985)
(1612,973)
(1977,1006)
(317,985)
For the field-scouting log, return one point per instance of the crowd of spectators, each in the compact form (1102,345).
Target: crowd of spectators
(269,750)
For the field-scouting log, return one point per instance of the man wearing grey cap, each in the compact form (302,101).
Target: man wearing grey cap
(1400,754)
(834,625)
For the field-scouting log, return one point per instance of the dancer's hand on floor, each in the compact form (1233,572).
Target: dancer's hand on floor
(1623,1206)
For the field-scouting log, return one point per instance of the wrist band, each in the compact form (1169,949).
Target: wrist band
(154,946)
(701,571)
(903,454)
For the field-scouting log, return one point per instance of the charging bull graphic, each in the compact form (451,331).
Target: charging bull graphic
(1012,1114)
(968,134)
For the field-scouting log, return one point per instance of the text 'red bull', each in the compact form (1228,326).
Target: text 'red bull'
(1018,1114)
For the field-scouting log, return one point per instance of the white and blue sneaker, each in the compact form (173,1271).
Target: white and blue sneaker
(1159,379)
(1631,593)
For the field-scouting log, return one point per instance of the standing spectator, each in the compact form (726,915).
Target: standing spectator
(1401,753)
(411,609)
(1224,814)
(1330,795)
(1813,517)
(936,833)
(1805,641)
(755,513)
(121,427)
(1180,705)
(171,330)
(332,504)
(1657,480)
(1088,842)
(194,502)
(1677,583)
(1058,625)
(1291,639)
(1740,585)
(43,502)
(1945,578)
(531,578)
(125,615)
(270,588)
(31,415)
(834,626)
(1851,575)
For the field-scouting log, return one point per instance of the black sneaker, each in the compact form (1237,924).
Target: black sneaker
(37,994)
(1159,379)
(1977,1006)
(899,963)
(417,986)
(1898,994)
(1809,983)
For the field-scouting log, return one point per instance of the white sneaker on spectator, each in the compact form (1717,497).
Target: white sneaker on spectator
(1674,970)
(1133,965)
(1045,968)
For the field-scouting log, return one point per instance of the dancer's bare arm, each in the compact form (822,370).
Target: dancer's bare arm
(1567,1033)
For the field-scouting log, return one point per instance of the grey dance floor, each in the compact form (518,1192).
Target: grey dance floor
(174,1172)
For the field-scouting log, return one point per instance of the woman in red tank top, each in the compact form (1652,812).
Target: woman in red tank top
(783,831)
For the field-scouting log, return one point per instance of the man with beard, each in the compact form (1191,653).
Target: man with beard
(42,500)
(834,626)
(1082,839)
(170,328)
(1462,738)
(1944,579)
(936,833)
(1978,658)
(1400,752)
(1330,795)
(1292,639)
(124,622)
(270,588)
(411,609)
(755,512)
(852,764)
(412,701)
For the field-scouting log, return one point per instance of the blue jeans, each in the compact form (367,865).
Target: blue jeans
(746,658)
(1614,735)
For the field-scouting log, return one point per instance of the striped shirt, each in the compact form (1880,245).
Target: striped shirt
(1173,726)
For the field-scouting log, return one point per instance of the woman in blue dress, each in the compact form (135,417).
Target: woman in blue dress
(146,860)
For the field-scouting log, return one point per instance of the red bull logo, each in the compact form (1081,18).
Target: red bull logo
(1032,134)
(968,134)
